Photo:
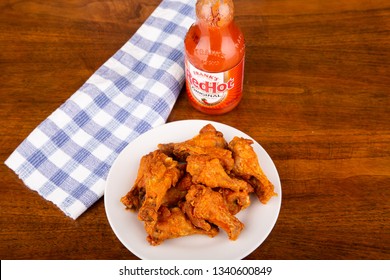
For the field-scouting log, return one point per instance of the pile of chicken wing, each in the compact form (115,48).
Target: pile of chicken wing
(197,186)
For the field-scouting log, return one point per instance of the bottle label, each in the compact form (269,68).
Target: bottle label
(214,89)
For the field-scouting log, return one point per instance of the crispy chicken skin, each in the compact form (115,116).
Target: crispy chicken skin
(177,193)
(208,140)
(223,155)
(246,165)
(172,223)
(209,171)
(208,137)
(156,174)
(236,200)
(202,203)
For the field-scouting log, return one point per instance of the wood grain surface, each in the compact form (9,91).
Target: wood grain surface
(316,97)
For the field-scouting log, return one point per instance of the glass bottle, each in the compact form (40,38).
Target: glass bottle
(214,58)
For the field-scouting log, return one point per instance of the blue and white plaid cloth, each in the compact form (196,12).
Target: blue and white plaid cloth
(67,157)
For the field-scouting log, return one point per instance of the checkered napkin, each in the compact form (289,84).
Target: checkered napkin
(67,157)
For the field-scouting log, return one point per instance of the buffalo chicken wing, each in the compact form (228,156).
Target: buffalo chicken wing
(204,204)
(246,165)
(197,186)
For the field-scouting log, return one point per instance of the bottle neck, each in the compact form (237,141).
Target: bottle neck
(206,27)
(215,13)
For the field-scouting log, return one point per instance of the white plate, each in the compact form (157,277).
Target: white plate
(259,219)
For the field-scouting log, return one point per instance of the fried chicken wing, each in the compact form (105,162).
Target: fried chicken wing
(202,203)
(209,140)
(177,193)
(156,174)
(197,186)
(199,222)
(173,224)
(246,165)
(237,200)
(208,137)
(136,196)
(209,171)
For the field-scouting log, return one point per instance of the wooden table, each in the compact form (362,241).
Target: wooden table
(317,98)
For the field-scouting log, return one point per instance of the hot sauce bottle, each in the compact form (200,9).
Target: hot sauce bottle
(214,58)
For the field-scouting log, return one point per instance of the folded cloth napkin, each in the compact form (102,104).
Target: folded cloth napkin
(67,157)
